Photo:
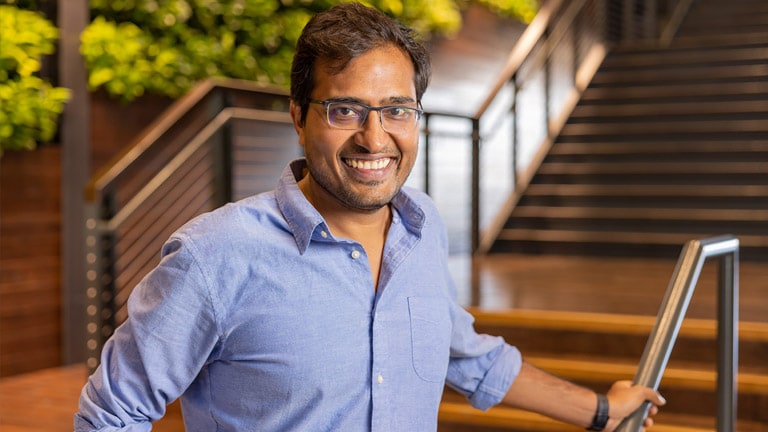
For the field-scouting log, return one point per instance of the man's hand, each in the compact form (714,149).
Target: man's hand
(624,398)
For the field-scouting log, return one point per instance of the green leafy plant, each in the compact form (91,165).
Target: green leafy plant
(165,46)
(29,106)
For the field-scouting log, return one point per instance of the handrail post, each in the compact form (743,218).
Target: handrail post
(426,152)
(668,322)
(475,184)
(727,340)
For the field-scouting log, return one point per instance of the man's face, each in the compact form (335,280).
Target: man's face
(360,169)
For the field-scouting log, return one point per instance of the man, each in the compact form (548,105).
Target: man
(326,304)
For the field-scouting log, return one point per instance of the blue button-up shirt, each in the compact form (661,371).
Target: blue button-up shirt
(259,319)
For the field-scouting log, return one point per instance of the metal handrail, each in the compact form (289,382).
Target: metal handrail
(670,317)
(164,153)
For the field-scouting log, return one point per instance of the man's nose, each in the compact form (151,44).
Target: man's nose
(372,135)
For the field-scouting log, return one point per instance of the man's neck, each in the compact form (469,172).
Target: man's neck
(355,224)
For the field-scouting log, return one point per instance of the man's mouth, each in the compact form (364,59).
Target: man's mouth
(376,164)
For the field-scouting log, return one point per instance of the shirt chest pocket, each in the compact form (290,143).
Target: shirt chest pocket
(430,337)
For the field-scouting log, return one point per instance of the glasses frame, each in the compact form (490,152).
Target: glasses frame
(328,102)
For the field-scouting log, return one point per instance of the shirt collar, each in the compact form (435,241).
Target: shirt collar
(306,222)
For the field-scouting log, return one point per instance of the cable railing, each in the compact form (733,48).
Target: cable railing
(223,141)
(541,82)
(670,318)
(226,139)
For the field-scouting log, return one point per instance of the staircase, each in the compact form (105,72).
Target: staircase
(574,345)
(666,145)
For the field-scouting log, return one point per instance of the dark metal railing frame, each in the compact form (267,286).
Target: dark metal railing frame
(670,318)
(550,27)
(103,216)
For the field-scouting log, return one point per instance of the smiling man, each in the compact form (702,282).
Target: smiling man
(326,304)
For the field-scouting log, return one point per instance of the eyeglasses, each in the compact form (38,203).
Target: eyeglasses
(395,119)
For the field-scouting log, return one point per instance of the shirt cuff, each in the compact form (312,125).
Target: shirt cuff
(499,378)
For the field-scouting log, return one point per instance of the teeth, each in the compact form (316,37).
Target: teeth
(368,164)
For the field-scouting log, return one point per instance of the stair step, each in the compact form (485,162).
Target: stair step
(668,111)
(692,378)
(619,237)
(662,75)
(689,57)
(675,92)
(457,416)
(597,349)
(664,214)
(712,39)
(567,334)
(664,129)
(705,148)
(671,190)
(650,168)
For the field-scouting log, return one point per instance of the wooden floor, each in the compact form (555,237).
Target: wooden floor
(46,400)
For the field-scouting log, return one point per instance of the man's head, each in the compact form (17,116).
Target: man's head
(357,81)
(343,33)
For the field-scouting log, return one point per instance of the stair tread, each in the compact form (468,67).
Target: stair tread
(502,417)
(661,147)
(654,167)
(609,323)
(647,213)
(667,110)
(661,127)
(692,57)
(648,190)
(616,237)
(753,38)
(689,376)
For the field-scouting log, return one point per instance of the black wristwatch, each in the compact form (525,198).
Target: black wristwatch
(601,414)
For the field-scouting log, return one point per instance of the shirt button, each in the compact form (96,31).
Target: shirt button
(323,234)
(355,254)
(379,379)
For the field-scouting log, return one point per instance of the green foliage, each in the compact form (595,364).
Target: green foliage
(29,106)
(523,9)
(166,46)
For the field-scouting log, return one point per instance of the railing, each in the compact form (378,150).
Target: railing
(223,141)
(512,130)
(204,149)
(670,318)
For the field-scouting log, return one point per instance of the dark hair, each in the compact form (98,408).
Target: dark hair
(343,33)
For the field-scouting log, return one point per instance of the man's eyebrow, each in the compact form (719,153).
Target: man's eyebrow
(401,100)
(395,100)
(345,99)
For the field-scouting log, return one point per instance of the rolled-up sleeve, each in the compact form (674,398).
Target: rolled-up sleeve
(482,367)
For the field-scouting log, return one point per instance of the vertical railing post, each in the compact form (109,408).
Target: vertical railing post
(93,289)
(426,153)
(515,133)
(475,184)
(100,277)
(727,340)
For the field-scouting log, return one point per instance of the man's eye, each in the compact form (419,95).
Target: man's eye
(398,112)
(345,111)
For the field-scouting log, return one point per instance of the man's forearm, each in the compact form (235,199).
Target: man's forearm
(538,391)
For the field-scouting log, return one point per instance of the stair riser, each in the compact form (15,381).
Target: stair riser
(566,343)
(750,407)
(612,249)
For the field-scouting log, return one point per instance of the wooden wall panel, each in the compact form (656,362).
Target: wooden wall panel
(30,291)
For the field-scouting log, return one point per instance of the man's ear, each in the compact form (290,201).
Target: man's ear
(297,123)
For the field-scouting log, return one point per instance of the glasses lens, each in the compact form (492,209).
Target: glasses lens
(399,118)
(350,115)
(345,115)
